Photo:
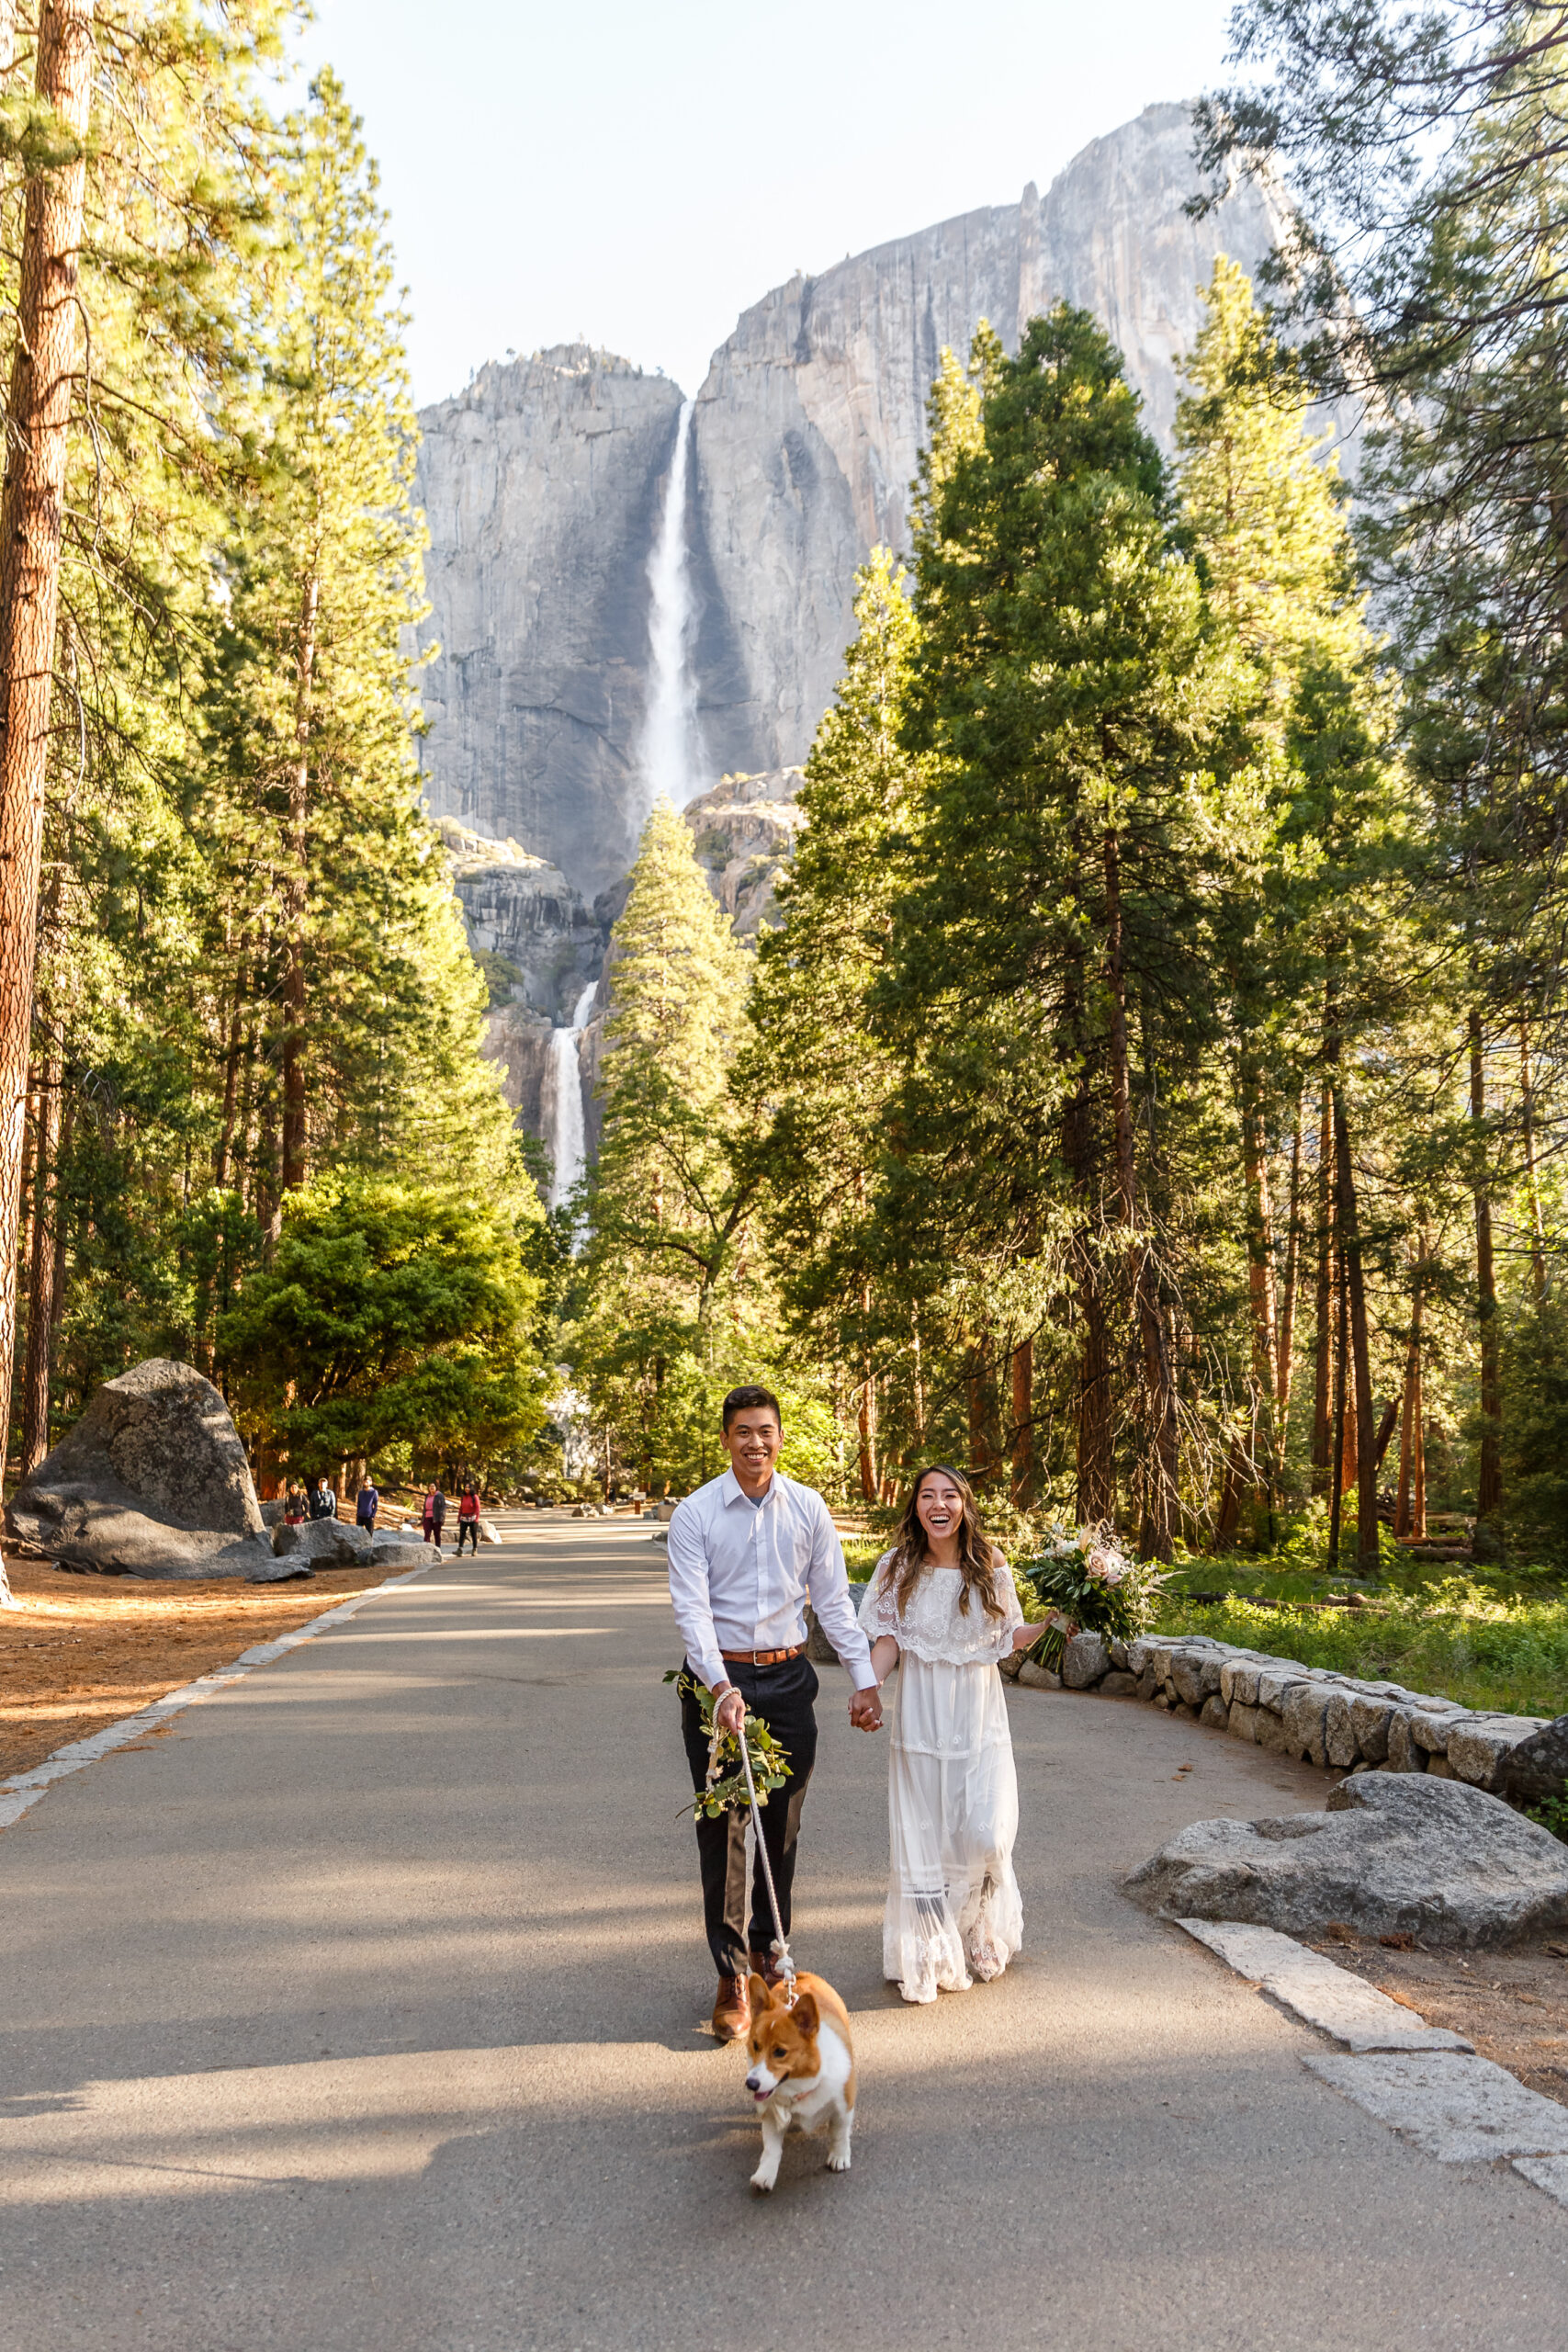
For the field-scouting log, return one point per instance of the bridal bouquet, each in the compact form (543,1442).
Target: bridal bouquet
(1089,1585)
(726,1789)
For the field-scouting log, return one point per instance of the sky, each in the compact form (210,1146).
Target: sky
(635,176)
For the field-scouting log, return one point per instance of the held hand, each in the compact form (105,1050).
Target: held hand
(730,1711)
(865,1710)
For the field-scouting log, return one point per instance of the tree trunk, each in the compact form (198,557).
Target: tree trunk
(1388,1423)
(1366,1433)
(1337,1466)
(1283,1365)
(1259,1237)
(1158,1535)
(1095,1480)
(1489,1480)
(1532,1181)
(37,1375)
(869,1483)
(1322,1342)
(1410,1508)
(295,894)
(38,413)
(225,1144)
(1237,1478)
(918,1381)
(975,1400)
(1023,1425)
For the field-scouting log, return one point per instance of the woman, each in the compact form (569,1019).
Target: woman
(469,1522)
(427,1512)
(942,1606)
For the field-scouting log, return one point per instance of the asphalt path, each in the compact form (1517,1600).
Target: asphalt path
(365,2010)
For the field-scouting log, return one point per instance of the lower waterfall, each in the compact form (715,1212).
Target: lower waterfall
(563,1086)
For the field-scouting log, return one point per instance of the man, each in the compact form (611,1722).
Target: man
(746,1551)
(368,1505)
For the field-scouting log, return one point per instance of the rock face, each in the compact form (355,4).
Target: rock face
(1421,1857)
(544,483)
(744,832)
(813,414)
(536,940)
(1537,1767)
(153,1481)
(541,485)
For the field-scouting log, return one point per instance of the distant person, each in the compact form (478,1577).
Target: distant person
(469,1522)
(427,1512)
(294,1505)
(368,1505)
(323,1502)
(437,1514)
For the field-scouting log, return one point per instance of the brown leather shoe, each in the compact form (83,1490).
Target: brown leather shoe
(732,2009)
(765,1966)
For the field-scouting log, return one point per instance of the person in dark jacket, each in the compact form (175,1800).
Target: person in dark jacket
(437,1508)
(323,1502)
(369,1504)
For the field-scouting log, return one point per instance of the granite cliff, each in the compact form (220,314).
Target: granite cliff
(545,482)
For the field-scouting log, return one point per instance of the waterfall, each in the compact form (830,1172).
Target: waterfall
(563,1086)
(668,762)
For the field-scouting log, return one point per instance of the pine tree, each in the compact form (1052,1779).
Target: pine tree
(818,1081)
(1263,504)
(671,1267)
(1066,695)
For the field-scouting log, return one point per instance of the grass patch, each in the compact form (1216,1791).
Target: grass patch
(1463,1638)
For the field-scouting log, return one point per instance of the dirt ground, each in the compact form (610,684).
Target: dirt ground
(82,1651)
(1512,2005)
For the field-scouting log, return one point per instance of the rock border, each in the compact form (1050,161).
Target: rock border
(1308,1713)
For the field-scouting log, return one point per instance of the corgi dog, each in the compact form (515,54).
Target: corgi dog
(803,2070)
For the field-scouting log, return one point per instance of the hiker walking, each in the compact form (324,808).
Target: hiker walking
(469,1522)
(746,1553)
(436,1504)
(367,1505)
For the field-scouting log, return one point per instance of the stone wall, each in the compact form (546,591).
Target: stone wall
(1303,1712)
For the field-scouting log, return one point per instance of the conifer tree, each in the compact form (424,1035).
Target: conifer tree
(1307,927)
(817,1080)
(671,1265)
(1064,693)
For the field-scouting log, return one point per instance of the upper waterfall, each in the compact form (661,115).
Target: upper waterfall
(669,747)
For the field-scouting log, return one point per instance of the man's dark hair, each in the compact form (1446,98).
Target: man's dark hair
(751,1400)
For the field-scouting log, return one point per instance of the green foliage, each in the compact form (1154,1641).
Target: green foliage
(389,1314)
(725,1791)
(671,1304)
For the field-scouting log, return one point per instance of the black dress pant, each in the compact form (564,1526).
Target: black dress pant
(782,1696)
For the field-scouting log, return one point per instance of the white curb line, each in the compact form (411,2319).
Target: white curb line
(16,1795)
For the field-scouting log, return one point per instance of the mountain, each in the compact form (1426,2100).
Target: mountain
(543,485)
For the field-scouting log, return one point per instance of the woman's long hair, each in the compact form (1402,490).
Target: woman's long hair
(911,1554)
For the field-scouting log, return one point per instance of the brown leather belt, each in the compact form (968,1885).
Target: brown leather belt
(761,1658)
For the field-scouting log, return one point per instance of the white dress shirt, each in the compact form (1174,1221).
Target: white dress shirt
(741,1573)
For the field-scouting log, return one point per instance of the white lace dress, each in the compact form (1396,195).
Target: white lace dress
(953,1910)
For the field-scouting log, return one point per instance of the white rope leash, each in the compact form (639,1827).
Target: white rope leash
(781,1942)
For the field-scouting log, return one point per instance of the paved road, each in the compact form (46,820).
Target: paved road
(361,2012)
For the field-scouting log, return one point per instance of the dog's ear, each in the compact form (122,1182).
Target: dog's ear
(757,1986)
(806,2013)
